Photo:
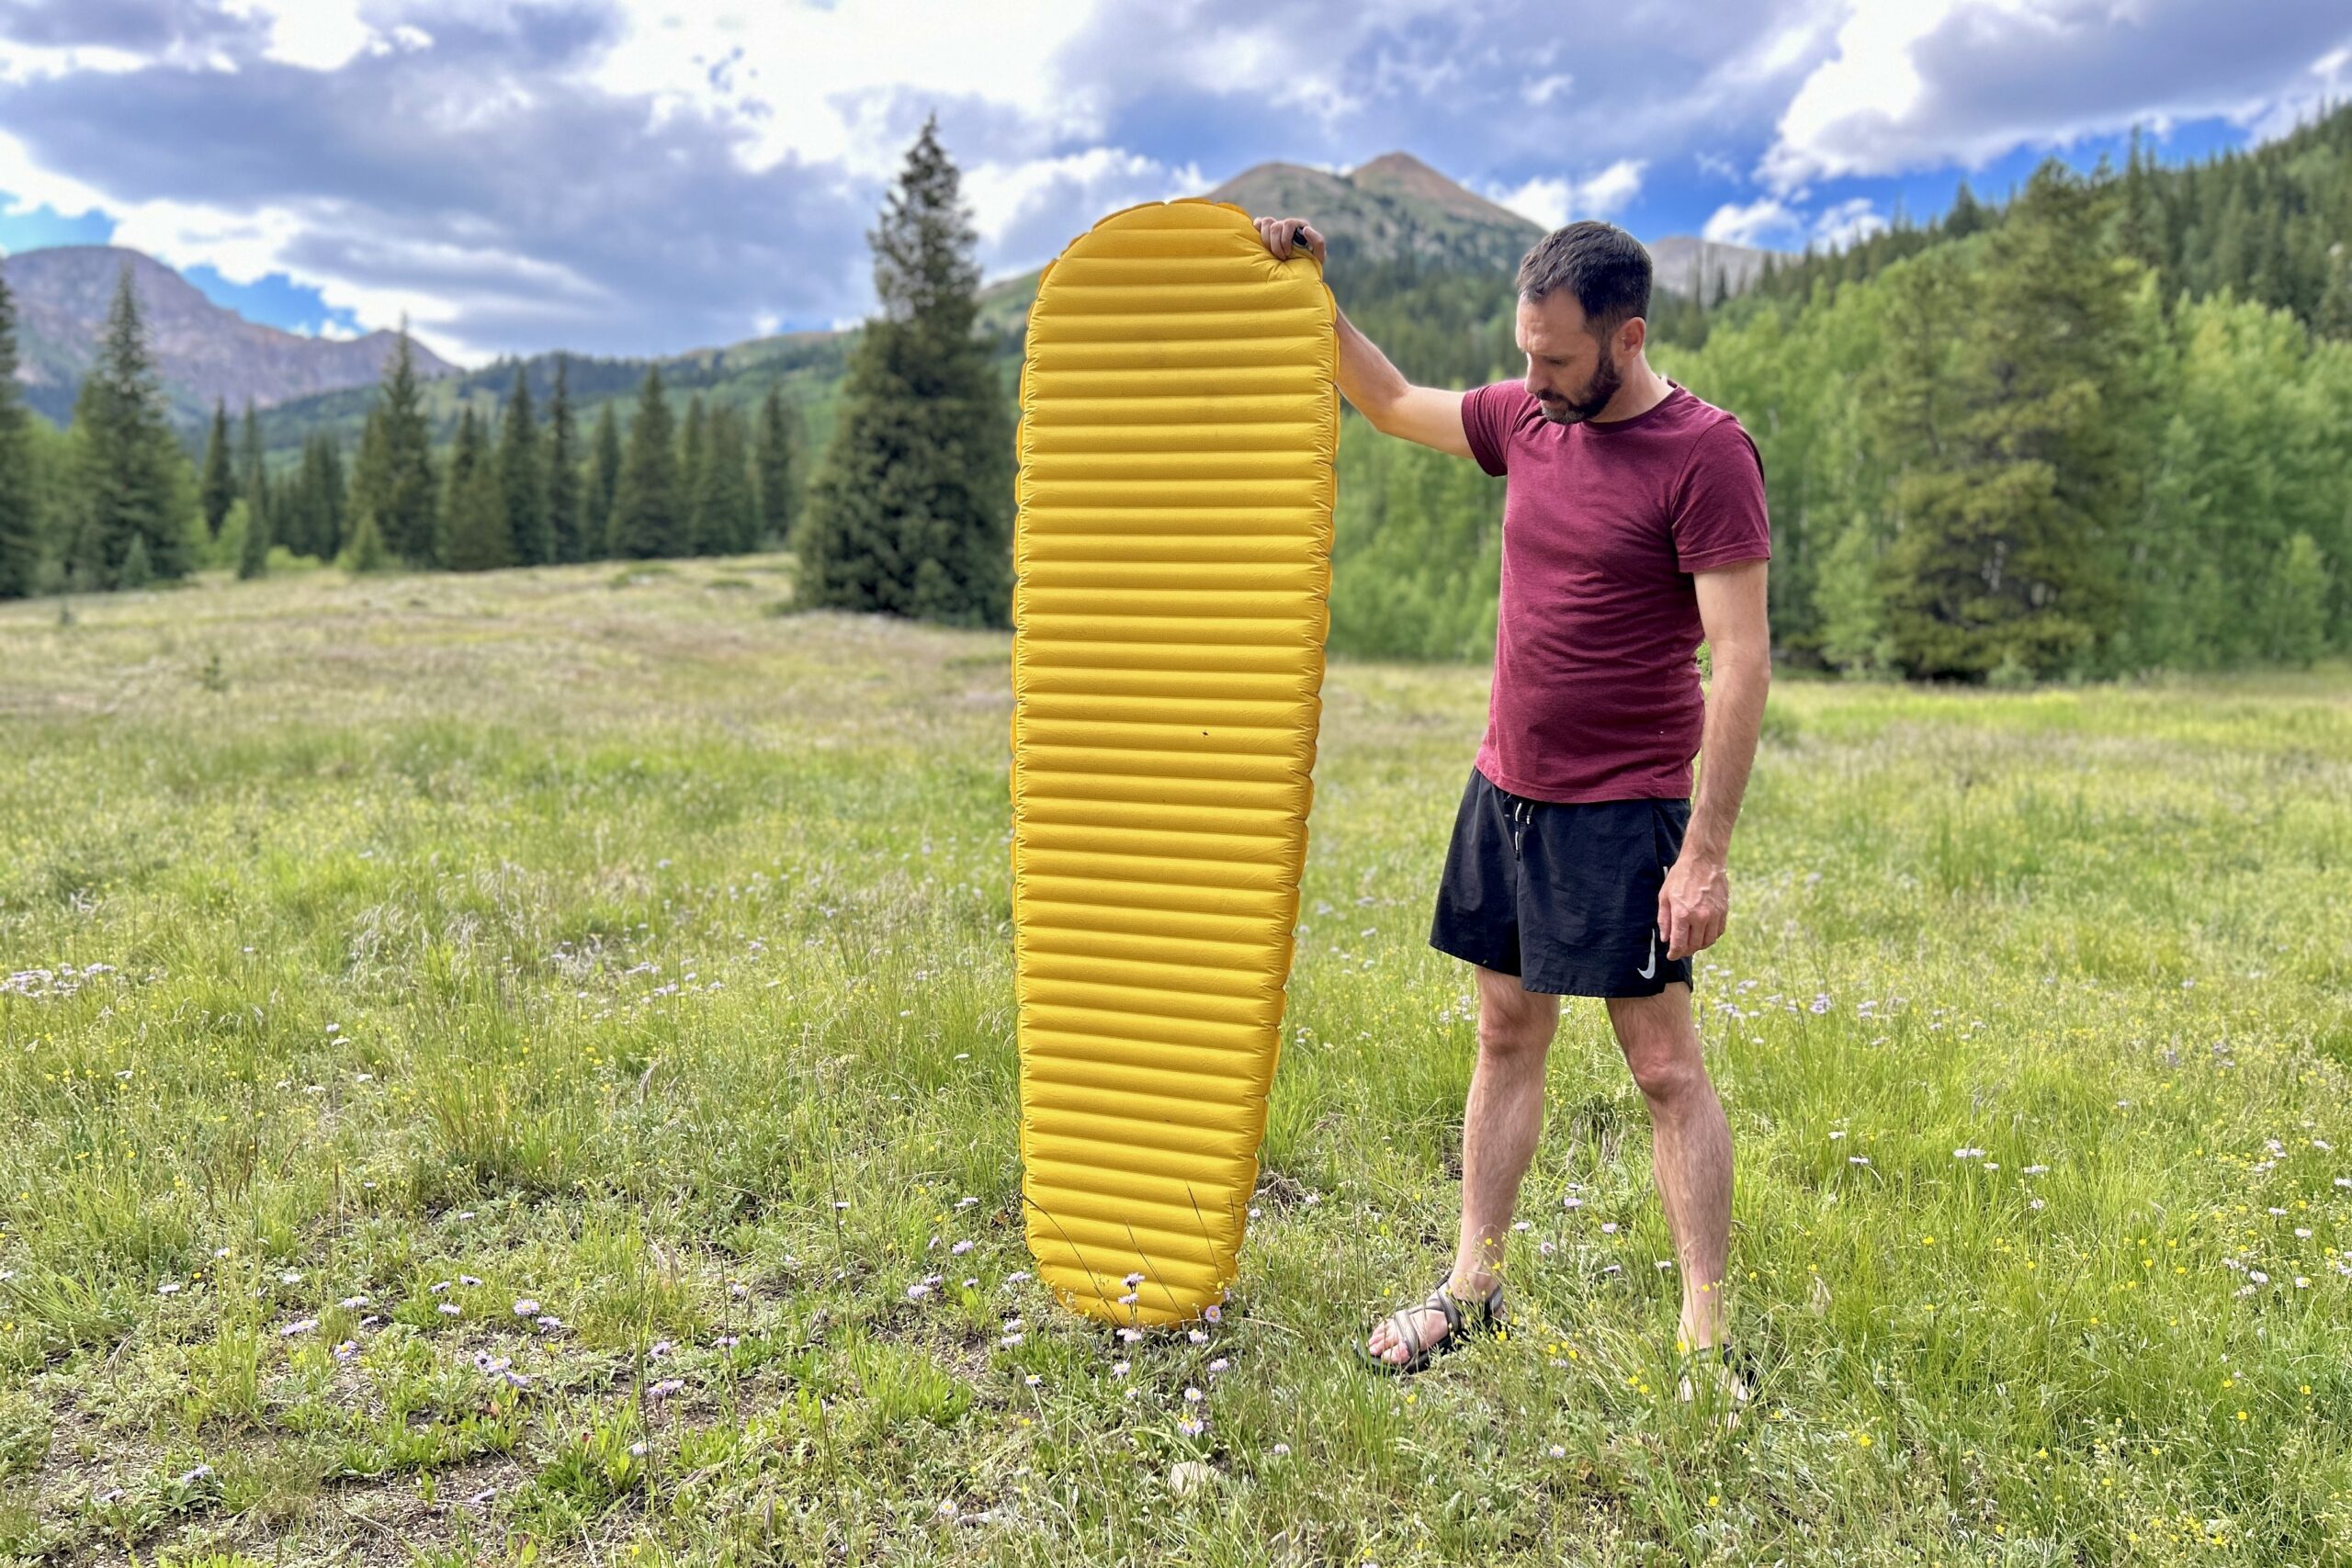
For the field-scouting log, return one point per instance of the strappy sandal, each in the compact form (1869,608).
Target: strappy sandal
(1736,1380)
(1462,1319)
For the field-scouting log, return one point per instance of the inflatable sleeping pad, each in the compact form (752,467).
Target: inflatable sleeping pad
(1172,559)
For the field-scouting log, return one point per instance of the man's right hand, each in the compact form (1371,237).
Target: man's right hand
(1282,234)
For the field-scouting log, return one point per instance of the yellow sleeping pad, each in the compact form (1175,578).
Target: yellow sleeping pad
(1172,559)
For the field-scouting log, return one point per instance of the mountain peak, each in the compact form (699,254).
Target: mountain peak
(203,352)
(1399,173)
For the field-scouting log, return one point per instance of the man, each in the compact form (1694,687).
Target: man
(1634,526)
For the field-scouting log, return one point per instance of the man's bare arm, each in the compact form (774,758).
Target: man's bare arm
(1393,405)
(1695,904)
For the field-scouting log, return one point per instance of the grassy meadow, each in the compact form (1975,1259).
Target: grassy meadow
(484,1060)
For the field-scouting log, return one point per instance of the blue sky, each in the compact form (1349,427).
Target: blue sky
(636,177)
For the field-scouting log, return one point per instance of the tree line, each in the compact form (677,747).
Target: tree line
(116,500)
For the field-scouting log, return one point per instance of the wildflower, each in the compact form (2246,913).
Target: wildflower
(1858,1159)
(1967,1154)
(1558,1453)
(665,1388)
(468,1282)
(1131,1335)
(346,1349)
(659,1349)
(1016,1276)
(352,1303)
(451,1309)
(549,1323)
(1213,1312)
(291,1277)
(636,1449)
(200,1472)
(1191,1428)
(482,1499)
(1033,1379)
(1220,1364)
(526,1307)
(300,1325)
(1196,1337)
(962,1247)
(966,1203)
(169,1288)
(1119,1369)
(1191,1397)
(1281,1450)
(915,1293)
(1007,1341)
(1609,1229)
(1132,1280)
(437,1286)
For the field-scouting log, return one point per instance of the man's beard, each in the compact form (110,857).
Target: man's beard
(1606,378)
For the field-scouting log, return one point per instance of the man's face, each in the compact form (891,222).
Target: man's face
(1570,374)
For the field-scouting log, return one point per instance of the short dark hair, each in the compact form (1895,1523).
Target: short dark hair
(1606,268)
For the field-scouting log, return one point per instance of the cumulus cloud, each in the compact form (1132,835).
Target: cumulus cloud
(1551,200)
(1026,211)
(1922,83)
(1767,221)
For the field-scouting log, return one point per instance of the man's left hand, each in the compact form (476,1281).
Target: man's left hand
(1694,906)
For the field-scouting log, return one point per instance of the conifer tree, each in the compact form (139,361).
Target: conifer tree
(128,458)
(694,443)
(407,514)
(563,470)
(597,541)
(647,519)
(19,518)
(725,508)
(370,493)
(218,491)
(778,462)
(911,510)
(522,480)
(253,474)
(2011,500)
(473,506)
(252,552)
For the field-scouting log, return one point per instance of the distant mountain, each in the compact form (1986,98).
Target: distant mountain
(1397,209)
(202,350)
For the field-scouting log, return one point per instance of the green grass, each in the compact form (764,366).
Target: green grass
(611,943)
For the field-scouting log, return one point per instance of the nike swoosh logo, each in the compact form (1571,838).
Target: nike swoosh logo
(1649,971)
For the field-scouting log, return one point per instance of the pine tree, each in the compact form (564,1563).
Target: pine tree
(725,508)
(407,514)
(648,517)
(522,480)
(563,470)
(912,511)
(19,517)
(218,489)
(252,474)
(473,508)
(334,519)
(252,554)
(127,458)
(597,539)
(2011,503)
(365,550)
(370,495)
(694,456)
(778,461)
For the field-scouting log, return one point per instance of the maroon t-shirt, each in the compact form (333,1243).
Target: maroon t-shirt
(1596,693)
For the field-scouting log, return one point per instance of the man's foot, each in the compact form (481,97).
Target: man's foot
(1719,1379)
(1409,1338)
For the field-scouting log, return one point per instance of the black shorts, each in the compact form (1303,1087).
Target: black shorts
(1563,896)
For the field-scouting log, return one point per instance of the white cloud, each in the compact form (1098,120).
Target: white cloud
(1847,222)
(318,35)
(818,82)
(1551,200)
(1926,83)
(1763,221)
(1542,90)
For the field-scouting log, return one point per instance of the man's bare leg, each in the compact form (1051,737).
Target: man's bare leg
(1501,1125)
(1690,1146)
